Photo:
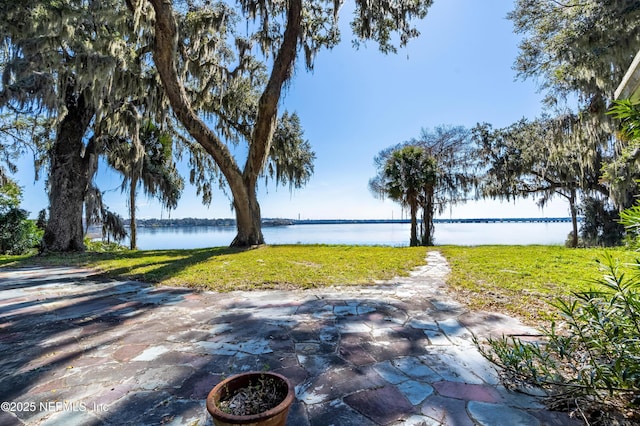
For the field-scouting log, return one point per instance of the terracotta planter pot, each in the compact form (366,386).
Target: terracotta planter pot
(277,416)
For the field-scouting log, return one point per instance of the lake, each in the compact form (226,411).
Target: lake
(393,234)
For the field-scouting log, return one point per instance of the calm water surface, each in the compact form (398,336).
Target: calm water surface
(363,234)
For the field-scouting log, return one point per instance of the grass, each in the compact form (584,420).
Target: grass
(6,260)
(521,280)
(267,267)
(516,280)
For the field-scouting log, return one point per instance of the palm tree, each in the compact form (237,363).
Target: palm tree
(432,172)
(408,176)
(148,162)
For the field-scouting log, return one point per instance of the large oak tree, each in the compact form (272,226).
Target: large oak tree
(78,66)
(203,61)
(543,158)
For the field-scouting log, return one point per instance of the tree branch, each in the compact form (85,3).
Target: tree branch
(568,5)
(164,54)
(268,104)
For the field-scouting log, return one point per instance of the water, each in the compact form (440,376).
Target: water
(362,234)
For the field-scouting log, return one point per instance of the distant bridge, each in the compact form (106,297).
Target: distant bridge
(476,220)
(151,223)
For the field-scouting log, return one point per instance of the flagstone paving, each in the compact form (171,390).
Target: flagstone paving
(78,349)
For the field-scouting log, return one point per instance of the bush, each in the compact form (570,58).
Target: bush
(18,234)
(103,246)
(600,224)
(589,363)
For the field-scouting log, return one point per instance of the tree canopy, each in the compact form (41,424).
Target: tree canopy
(18,234)
(541,158)
(577,47)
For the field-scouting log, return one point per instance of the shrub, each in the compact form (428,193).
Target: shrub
(103,246)
(600,224)
(18,234)
(590,362)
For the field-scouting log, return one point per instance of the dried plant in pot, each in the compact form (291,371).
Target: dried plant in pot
(253,398)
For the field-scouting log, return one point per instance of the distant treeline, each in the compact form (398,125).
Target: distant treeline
(191,221)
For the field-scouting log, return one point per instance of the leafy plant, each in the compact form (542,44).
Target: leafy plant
(257,397)
(103,246)
(590,361)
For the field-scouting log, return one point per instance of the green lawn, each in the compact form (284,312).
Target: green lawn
(521,280)
(224,269)
(518,280)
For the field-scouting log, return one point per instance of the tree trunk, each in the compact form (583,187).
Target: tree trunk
(574,218)
(69,176)
(133,243)
(427,218)
(248,218)
(413,241)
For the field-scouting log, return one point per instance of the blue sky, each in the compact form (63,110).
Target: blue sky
(357,102)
